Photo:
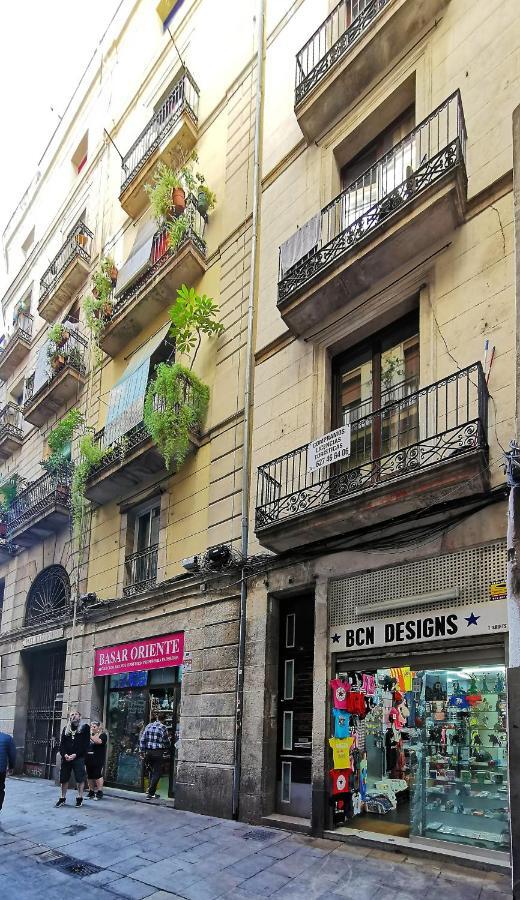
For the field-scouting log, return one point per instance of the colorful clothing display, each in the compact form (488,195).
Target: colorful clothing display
(341,752)
(341,723)
(340,780)
(340,691)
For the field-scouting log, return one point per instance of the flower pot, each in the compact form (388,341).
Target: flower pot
(65,335)
(202,202)
(57,362)
(113,273)
(179,200)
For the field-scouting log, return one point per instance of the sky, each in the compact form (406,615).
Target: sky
(44,48)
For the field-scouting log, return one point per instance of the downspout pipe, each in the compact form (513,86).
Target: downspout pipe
(248,395)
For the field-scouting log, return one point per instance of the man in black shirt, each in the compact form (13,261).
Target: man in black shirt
(95,760)
(75,739)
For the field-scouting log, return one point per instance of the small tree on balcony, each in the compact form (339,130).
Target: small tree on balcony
(177,400)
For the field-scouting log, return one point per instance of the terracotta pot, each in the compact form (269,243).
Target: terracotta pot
(57,362)
(113,274)
(179,200)
(65,335)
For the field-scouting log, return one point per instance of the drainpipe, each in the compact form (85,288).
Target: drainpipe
(248,393)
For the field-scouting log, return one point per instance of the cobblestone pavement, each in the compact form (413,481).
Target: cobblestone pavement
(155,852)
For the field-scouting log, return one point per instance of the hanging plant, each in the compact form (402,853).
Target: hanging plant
(98,305)
(8,491)
(91,455)
(193,315)
(176,403)
(59,438)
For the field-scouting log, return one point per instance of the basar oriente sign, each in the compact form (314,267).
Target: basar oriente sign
(150,653)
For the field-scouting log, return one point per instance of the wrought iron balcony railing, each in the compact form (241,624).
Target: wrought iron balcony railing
(332,40)
(22,331)
(11,421)
(72,353)
(161,253)
(125,445)
(52,488)
(423,157)
(183,98)
(411,432)
(78,243)
(140,571)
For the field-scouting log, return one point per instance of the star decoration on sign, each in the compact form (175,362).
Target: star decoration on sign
(472,619)
(335,638)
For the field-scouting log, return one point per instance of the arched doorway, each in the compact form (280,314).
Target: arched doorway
(48,602)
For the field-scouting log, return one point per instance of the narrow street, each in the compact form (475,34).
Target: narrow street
(120,848)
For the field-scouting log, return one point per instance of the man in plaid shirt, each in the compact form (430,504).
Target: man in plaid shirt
(153,742)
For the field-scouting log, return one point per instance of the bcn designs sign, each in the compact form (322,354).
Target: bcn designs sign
(151,653)
(457,622)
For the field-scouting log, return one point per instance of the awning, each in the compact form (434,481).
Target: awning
(139,258)
(125,409)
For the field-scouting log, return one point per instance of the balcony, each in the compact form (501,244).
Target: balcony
(172,128)
(45,395)
(155,286)
(17,346)
(352,48)
(66,273)
(10,430)
(7,549)
(41,509)
(141,571)
(131,461)
(400,208)
(403,457)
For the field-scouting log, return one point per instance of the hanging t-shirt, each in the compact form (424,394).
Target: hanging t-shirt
(369,685)
(363,776)
(341,751)
(355,703)
(340,690)
(341,723)
(340,780)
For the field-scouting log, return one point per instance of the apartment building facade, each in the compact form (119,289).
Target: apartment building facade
(384,397)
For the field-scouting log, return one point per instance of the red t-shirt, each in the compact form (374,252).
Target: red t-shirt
(340,780)
(355,703)
(340,692)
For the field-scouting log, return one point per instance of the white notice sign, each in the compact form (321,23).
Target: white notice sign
(329,448)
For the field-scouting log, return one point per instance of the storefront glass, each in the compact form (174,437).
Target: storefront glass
(133,698)
(421,754)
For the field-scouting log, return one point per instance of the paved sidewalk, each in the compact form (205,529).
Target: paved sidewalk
(149,851)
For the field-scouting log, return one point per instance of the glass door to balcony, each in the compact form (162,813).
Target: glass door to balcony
(375,394)
(141,563)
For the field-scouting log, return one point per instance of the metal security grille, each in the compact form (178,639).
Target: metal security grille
(472,571)
(46,671)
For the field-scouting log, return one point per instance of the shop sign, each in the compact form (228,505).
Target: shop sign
(328,449)
(457,622)
(497,590)
(43,638)
(151,653)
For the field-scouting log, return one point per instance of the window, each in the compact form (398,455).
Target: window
(288,682)
(287,733)
(286,782)
(2,589)
(28,243)
(146,530)
(80,155)
(290,629)
(372,376)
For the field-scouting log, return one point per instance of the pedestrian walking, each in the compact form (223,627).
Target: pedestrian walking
(95,760)
(7,761)
(74,743)
(153,742)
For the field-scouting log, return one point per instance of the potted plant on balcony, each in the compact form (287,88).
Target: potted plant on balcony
(98,305)
(166,193)
(177,400)
(91,455)
(8,491)
(58,335)
(206,199)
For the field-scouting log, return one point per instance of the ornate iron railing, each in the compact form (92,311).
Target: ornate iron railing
(184,97)
(119,450)
(161,253)
(22,331)
(140,571)
(52,488)
(332,41)
(425,155)
(410,433)
(11,421)
(71,353)
(78,243)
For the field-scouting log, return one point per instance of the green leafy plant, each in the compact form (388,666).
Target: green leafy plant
(207,200)
(164,182)
(91,455)
(59,438)
(8,491)
(98,305)
(177,229)
(176,403)
(193,315)
(392,366)
(57,335)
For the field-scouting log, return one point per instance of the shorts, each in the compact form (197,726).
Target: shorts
(77,766)
(94,770)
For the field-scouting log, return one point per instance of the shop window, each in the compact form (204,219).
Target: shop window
(288,689)
(286,782)
(420,751)
(290,629)
(287,738)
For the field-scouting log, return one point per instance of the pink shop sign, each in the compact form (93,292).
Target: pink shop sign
(152,653)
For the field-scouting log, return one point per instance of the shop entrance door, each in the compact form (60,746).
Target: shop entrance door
(42,737)
(294,729)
